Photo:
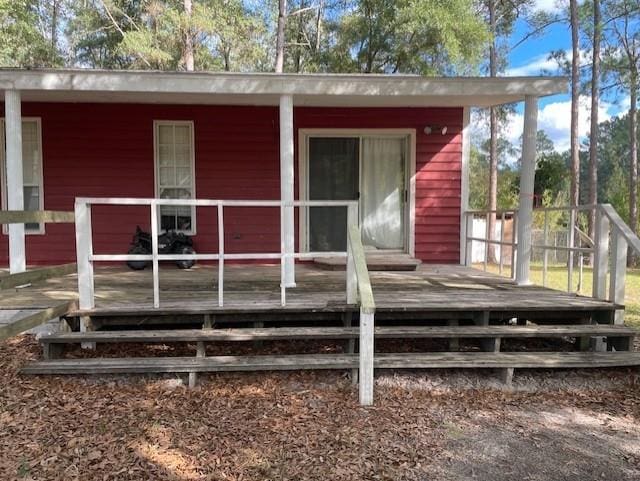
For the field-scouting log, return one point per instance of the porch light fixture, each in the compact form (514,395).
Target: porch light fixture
(430,129)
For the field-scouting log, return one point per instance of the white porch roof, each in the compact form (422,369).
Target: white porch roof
(317,90)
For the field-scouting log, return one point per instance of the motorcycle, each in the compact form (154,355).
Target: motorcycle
(171,242)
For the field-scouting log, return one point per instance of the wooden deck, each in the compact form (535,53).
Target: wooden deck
(442,305)
(441,290)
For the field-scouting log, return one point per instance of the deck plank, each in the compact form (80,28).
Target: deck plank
(288,333)
(432,360)
(256,288)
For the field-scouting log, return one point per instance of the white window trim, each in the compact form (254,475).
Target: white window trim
(156,166)
(3,173)
(303,179)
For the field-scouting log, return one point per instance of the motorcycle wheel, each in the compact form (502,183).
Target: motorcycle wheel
(137,265)
(186,264)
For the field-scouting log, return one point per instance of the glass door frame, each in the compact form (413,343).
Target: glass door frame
(410,177)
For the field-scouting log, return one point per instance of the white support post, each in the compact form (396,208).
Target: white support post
(601,255)
(15,184)
(352,280)
(220,255)
(287,185)
(527,177)
(365,374)
(154,252)
(464,186)
(618,272)
(84,251)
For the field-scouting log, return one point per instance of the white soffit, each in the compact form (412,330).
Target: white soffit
(318,90)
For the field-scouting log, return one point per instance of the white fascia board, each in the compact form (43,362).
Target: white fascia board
(469,90)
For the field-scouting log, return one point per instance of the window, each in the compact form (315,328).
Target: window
(174,166)
(31,171)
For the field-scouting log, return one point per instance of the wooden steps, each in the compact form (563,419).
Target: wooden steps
(432,360)
(387,332)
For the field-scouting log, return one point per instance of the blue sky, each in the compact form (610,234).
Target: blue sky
(531,58)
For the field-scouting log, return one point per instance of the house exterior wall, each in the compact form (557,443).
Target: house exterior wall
(107,150)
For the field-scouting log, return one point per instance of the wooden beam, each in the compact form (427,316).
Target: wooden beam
(35,275)
(36,216)
(35,319)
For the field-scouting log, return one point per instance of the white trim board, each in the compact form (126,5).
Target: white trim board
(303,186)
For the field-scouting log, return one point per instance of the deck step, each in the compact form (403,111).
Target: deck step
(387,332)
(431,360)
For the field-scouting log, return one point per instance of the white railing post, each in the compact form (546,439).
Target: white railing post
(352,281)
(571,236)
(14,179)
(545,253)
(488,235)
(500,247)
(601,254)
(618,271)
(365,373)
(220,254)
(84,251)
(468,251)
(154,253)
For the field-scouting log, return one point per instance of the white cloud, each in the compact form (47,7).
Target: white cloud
(540,64)
(534,67)
(555,120)
(549,5)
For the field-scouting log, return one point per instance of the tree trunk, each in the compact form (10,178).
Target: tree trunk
(595,103)
(188,39)
(633,146)
(55,8)
(493,128)
(282,20)
(575,98)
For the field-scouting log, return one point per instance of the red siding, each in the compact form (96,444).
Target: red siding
(438,168)
(106,150)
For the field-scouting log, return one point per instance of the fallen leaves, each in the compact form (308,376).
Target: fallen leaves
(254,426)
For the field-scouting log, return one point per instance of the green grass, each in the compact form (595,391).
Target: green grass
(557,279)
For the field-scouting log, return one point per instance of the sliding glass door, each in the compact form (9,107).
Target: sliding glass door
(333,175)
(382,186)
(371,169)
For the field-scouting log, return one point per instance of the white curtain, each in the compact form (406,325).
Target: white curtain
(382,196)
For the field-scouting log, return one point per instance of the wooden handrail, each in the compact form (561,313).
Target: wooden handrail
(367,313)
(36,216)
(367,304)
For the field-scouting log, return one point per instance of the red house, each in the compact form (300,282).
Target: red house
(274,168)
(398,145)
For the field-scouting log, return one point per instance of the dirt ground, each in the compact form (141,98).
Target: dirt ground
(562,425)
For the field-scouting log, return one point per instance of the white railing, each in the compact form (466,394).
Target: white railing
(609,248)
(501,216)
(358,285)
(86,256)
